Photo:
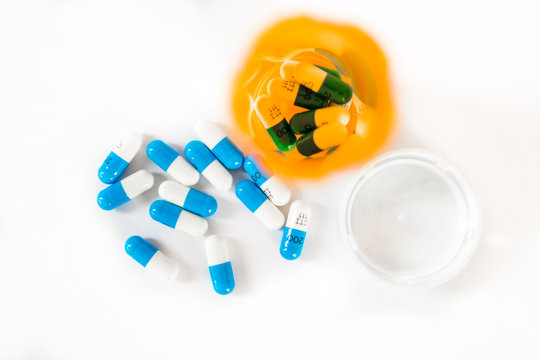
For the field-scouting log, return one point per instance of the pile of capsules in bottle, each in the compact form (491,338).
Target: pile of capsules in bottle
(324,96)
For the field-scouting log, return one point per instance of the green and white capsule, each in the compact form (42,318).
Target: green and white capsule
(275,123)
(293,92)
(330,71)
(318,80)
(304,122)
(322,138)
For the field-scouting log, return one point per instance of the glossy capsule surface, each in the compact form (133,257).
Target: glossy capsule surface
(304,122)
(294,93)
(119,158)
(151,258)
(219,265)
(125,190)
(318,80)
(274,189)
(257,202)
(170,161)
(208,165)
(190,199)
(220,145)
(275,123)
(294,233)
(177,218)
(322,138)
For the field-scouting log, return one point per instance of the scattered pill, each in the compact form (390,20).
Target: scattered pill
(322,138)
(220,145)
(219,265)
(275,123)
(170,161)
(318,80)
(177,218)
(124,190)
(151,258)
(255,200)
(190,199)
(208,165)
(119,158)
(306,121)
(270,184)
(294,233)
(294,93)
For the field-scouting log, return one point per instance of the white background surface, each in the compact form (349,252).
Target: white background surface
(75,75)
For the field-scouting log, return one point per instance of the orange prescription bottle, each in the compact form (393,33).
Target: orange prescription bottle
(344,48)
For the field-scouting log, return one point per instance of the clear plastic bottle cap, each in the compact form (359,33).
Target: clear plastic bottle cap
(411,218)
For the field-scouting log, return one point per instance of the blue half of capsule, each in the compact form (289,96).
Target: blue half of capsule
(222,278)
(200,203)
(165,212)
(140,250)
(112,196)
(112,168)
(250,195)
(199,155)
(253,169)
(292,243)
(161,154)
(228,154)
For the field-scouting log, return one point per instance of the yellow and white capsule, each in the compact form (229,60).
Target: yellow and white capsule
(317,80)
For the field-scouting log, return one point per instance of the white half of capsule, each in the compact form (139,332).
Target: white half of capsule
(137,183)
(128,146)
(270,215)
(276,191)
(162,267)
(216,251)
(218,176)
(183,172)
(299,215)
(209,133)
(173,192)
(191,224)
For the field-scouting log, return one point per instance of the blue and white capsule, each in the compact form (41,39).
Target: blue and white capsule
(255,200)
(125,190)
(170,161)
(208,165)
(219,265)
(190,199)
(294,233)
(177,218)
(220,145)
(151,258)
(270,184)
(119,158)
